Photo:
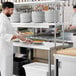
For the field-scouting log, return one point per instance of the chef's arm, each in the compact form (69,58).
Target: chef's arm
(21,38)
(8,36)
(70,28)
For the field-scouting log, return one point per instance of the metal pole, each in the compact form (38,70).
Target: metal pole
(63,23)
(49,62)
(54,5)
(29,55)
(54,65)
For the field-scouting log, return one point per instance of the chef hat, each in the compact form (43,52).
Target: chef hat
(74,6)
(7,4)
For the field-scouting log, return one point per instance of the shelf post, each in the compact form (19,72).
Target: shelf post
(49,62)
(63,23)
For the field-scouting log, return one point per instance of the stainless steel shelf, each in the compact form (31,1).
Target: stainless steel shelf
(44,46)
(34,25)
(49,38)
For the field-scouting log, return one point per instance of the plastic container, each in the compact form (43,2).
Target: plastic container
(25,17)
(37,16)
(37,69)
(17,66)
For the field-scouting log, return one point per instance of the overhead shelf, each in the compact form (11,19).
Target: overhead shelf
(34,25)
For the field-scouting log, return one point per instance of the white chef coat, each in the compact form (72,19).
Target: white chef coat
(73,20)
(6,46)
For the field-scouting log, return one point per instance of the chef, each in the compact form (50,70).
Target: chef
(7,34)
(73,20)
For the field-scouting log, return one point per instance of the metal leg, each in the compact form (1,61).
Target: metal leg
(29,55)
(49,62)
(55,66)
(57,72)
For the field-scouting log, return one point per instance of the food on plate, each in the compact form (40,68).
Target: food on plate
(26,33)
(38,41)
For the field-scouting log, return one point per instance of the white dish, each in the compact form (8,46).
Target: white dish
(16,40)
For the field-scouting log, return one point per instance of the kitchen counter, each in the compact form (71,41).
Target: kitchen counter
(69,51)
(44,46)
(65,62)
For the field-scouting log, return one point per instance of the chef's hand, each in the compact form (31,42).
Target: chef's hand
(28,41)
(69,28)
(73,28)
(19,37)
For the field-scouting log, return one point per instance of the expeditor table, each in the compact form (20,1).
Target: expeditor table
(45,46)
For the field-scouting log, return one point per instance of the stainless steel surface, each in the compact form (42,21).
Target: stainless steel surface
(55,27)
(55,66)
(63,24)
(29,54)
(49,38)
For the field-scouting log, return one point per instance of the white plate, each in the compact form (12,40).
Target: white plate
(16,40)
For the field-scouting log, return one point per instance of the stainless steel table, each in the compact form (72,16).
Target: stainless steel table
(45,46)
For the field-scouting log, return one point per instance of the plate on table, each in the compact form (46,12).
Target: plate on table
(22,41)
(28,41)
(16,40)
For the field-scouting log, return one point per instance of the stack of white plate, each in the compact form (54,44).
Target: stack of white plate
(52,16)
(15,18)
(38,16)
(56,15)
(25,17)
(49,16)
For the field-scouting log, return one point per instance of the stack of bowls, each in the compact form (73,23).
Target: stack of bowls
(15,18)
(25,17)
